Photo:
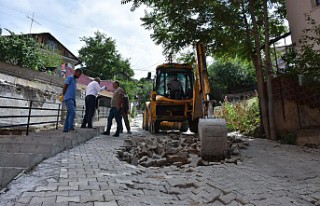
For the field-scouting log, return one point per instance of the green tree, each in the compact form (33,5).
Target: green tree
(19,50)
(25,51)
(231,29)
(230,77)
(101,58)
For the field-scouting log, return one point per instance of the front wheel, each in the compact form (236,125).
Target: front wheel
(193,125)
(155,126)
(183,127)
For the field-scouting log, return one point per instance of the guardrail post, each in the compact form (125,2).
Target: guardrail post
(58,116)
(98,113)
(82,112)
(29,116)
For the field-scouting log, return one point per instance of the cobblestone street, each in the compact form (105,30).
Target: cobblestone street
(92,175)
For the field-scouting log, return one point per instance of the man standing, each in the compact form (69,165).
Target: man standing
(92,91)
(125,111)
(115,109)
(69,98)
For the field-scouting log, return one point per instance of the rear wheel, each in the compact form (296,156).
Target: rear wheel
(193,125)
(144,120)
(146,123)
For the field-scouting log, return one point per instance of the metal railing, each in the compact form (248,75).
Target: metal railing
(24,115)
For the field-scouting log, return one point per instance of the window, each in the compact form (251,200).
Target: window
(165,76)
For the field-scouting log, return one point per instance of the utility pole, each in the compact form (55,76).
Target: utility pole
(32,20)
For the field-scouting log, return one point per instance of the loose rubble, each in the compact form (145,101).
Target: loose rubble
(180,150)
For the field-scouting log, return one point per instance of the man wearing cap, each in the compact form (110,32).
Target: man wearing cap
(115,109)
(69,98)
(92,91)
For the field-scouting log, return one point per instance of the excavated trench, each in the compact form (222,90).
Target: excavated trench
(178,149)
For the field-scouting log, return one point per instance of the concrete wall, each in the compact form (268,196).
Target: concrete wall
(27,84)
(297,9)
(295,106)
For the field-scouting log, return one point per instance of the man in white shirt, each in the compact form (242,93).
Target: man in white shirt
(92,91)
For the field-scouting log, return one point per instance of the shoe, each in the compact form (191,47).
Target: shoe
(91,127)
(72,129)
(105,133)
(129,132)
(121,131)
(115,135)
(83,127)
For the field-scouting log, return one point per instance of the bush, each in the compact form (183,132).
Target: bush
(133,112)
(242,116)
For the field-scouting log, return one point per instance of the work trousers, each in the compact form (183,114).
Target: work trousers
(114,113)
(71,114)
(90,102)
(125,117)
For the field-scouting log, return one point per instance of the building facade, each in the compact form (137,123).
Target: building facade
(297,11)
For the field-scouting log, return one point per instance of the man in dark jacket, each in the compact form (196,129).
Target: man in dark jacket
(125,111)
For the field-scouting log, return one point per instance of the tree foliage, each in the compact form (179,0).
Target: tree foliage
(230,77)
(25,51)
(224,25)
(101,58)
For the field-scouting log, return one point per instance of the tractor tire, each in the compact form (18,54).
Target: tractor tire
(193,125)
(155,126)
(144,120)
(146,127)
(184,127)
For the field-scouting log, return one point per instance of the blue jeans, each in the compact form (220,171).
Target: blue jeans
(114,113)
(71,113)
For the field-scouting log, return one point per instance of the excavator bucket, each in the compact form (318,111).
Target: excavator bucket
(213,138)
(212,131)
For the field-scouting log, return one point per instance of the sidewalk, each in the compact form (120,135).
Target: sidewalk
(91,175)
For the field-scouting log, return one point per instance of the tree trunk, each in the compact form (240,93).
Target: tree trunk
(257,61)
(268,72)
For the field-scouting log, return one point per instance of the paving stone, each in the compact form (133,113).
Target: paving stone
(40,200)
(78,192)
(81,204)
(112,203)
(91,198)
(33,194)
(67,188)
(227,199)
(234,203)
(89,187)
(56,193)
(46,188)
(55,204)
(24,200)
(102,192)
(68,199)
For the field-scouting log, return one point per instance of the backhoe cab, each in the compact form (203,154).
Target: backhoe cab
(171,100)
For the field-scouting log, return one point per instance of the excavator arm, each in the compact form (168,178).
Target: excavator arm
(202,87)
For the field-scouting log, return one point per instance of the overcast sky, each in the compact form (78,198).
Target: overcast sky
(68,20)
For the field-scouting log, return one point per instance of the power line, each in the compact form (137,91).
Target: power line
(26,11)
